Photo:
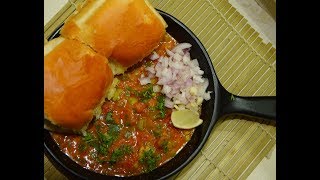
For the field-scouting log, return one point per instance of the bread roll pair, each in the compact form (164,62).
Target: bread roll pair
(101,39)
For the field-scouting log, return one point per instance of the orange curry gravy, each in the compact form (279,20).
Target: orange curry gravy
(134,134)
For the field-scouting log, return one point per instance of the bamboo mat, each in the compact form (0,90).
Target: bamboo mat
(245,65)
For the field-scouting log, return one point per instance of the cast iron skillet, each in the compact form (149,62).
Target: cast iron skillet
(221,103)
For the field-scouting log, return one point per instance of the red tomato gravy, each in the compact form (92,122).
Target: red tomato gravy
(134,134)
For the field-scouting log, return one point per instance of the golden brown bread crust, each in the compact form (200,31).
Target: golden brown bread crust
(124,30)
(75,81)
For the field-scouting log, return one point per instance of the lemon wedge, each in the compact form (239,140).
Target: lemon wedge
(185,119)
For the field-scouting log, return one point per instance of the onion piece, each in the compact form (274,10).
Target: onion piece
(144,80)
(170,53)
(168,103)
(156,88)
(154,56)
(150,69)
(180,47)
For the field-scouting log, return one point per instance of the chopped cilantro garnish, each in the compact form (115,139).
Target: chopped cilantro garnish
(157,131)
(88,138)
(146,94)
(135,92)
(119,153)
(148,63)
(98,127)
(149,159)
(114,129)
(160,106)
(164,146)
(108,138)
(82,147)
(103,140)
(109,118)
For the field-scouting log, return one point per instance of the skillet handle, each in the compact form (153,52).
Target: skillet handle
(258,106)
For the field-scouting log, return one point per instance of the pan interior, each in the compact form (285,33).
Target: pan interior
(209,114)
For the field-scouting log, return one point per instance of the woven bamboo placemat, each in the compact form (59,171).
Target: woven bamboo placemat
(245,66)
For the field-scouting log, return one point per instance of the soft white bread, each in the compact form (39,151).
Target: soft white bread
(124,31)
(75,82)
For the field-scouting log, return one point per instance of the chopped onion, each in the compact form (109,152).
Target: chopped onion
(150,69)
(168,103)
(180,77)
(170,53)
(166,89)
(154,56)
(177,57)
(156,88)
(180,47)
(195,62)
(206,95)
(144,80)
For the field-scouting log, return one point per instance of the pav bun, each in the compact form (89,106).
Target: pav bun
(75,82)
(124,31)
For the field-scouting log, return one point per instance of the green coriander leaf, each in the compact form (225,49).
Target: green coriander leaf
(88,138)
(164,146)
(119,153)
(149,159)
(160,106)
(109,118)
